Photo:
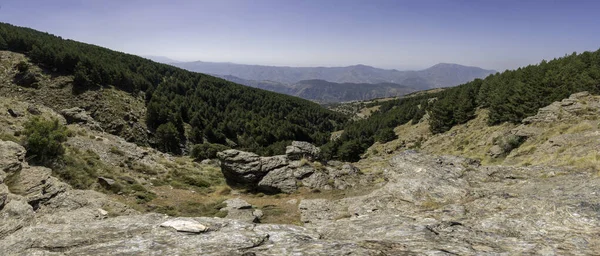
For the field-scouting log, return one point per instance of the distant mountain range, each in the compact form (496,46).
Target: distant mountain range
(328,92)
(440,75)
(335,84)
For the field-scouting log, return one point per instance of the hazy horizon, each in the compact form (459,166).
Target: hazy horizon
(403,35)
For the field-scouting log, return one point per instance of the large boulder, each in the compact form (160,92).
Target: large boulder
(241,168)
(80,116)
(301,149)
(37,185)
(246,169)
(279,180)
(285,173)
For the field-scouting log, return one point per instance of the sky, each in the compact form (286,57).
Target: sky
(398,34)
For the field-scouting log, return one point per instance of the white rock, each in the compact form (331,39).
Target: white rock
(184,225)
(102,212)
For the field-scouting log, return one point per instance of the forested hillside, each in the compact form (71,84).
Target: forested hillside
(510,97)
(218,111)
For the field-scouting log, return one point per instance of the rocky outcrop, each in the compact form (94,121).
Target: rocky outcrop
(285,173)
(80,116)
(451,205)
(429,206)
(29,195)
(570,107)
(302,149)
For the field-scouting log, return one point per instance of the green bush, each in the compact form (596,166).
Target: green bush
(206,151)
(22,67)
(385,135)
(43,139)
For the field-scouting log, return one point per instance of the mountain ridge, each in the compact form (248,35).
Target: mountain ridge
(322,91)
(439,75)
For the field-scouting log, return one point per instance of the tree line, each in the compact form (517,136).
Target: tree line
(510,96)
(217,111)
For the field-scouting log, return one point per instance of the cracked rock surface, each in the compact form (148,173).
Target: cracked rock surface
(429,206)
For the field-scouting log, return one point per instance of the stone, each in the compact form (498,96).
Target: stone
(273,162)
(496,151)
(3,195)
(15,215)
(239,209)
(14,113)
(32,109)
(241,168)
(237,203)
(301,149)
(37,186)
(106,182)
(102,212)
(12,156)
(80,116)
(279,180)
(318,180)
(185,225)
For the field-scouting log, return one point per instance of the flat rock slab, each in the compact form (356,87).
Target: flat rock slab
(183,225)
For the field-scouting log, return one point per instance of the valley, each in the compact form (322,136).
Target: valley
(105,153)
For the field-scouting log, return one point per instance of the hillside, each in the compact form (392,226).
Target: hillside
(181,108)
(322,91)
(440,75)
(510,97)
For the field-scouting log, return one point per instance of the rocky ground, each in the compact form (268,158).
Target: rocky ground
(429,205)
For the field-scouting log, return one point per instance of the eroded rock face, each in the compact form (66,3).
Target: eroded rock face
(12,156)
(284,174)
(434,205)
(429,206)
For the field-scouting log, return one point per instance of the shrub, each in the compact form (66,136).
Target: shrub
(206,151)
(22,67)
(385,135)
(43,139)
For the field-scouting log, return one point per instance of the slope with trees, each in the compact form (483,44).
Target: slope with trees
(217,110)
(510,96)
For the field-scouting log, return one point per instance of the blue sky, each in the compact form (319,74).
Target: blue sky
(502,34)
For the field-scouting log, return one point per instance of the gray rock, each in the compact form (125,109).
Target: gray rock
(79,115)
(272,163)
(303,171)
(36,185)
(33,110)
(496,151)
(318,180)
(3,195)
(15,215)
(237,204)
(185,225)
(106,182)
(241,168)
(12,156)
(301,149)
(239,209)
(279,180)
(277,174)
